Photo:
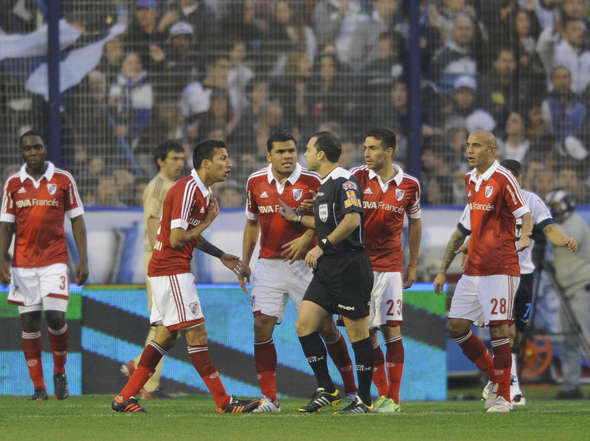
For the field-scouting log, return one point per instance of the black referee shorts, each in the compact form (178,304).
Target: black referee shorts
(523,302)
(342,284)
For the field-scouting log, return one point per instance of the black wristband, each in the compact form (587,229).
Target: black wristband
(209,248)
(325,244)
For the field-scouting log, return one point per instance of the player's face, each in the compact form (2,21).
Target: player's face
(480,152)
(376,156)
(173,165)
(220,165)
(34,152)
(283,157)
(311,154)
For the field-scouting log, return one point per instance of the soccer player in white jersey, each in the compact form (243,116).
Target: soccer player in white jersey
(280,272)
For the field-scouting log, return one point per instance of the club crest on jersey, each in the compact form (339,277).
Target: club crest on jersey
(194,307)
(323,212)
(489,190)
(52,188)
(399,194)
(297,194)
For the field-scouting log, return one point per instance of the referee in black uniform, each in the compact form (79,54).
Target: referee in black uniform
(343,277)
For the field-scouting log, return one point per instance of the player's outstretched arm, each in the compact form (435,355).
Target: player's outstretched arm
(6,231)
(79,230)
(455,242)
(251,232)
(293,216)
(558,237)
(527,230)
(241,270)
(415,236)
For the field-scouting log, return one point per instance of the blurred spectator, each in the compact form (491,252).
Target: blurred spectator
(131,98)
(516,145)
(456,139)
(205,25)
(329,97)
(230,195)
(563,45)
(437,177)
(144,37)
(335,21)
(394,113)
(107,193)
(238,76)
(562,109)
(258,97)
(240,23)
(443,14)
(386,17)
(569,179)
(539,179)
(463,110)
(349,157)
(288,34)
(219,117)
(455,58)
(112,59)
(125,183)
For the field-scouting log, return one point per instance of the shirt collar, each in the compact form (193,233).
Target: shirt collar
(486,175)
(204,190)
(47,175)
(398,177)
(293,177)
(338,172)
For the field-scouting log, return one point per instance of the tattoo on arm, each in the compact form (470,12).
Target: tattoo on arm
(548,229)
(455,242)
(207,247)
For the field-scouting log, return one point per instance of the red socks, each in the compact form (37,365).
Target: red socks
(58,341)
(150,357)
(265,355)
(339,353)
(502,365)
(199,355)
(395,366)
(379,375)
(32,346)
(476,351)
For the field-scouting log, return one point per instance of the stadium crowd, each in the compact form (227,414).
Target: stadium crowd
(238,69)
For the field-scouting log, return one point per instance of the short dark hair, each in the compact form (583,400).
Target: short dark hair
(280,135)
(385,135)
(329,144)
(513,165)
(164,148)
(205,150)
(31,132)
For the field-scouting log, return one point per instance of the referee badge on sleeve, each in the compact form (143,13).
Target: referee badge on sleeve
(323,212)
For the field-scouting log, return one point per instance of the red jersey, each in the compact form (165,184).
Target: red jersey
(385,204)
(38,209)
(263,195)
(185,206)
(494,202)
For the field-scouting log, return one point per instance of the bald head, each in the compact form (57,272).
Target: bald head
(484,137)
(481,150)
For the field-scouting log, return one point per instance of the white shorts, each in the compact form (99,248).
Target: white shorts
(274,281)
(386,300)
(175,302)
(46,288)
(485,299)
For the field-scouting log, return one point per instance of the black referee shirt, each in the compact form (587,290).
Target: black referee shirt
(339,194)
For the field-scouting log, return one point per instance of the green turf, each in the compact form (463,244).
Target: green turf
(193,418)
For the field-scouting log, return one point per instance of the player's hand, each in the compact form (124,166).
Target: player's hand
(409,276)
(523,242)
(295,249)
(287,212)
(439,282)
(311,258)
(307,204)
(572,244)
(81,272)
(212,211)
(239,268)
(464,249)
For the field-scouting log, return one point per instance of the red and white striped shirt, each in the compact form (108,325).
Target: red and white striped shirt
(185,206)
(38,208)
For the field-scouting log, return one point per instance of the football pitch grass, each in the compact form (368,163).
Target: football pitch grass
(89,418)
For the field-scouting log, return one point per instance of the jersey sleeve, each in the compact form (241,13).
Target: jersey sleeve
(513,197)
(251,205)
(413,209)
(8,213)
(350,197)
(541,214)
(464,224)
(181,201)
(73,204)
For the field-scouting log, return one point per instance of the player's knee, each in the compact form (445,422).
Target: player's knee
(31,321)
(263,327)
(55,319)
(329,331)
(196,336)
(303,327)
(457,328)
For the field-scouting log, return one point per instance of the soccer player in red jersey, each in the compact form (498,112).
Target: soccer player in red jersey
(35,203)
(388,195)
(485,292)
(189,208)
(276,280)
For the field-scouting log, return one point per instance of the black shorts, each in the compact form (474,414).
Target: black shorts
(523,301)
(342,284)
